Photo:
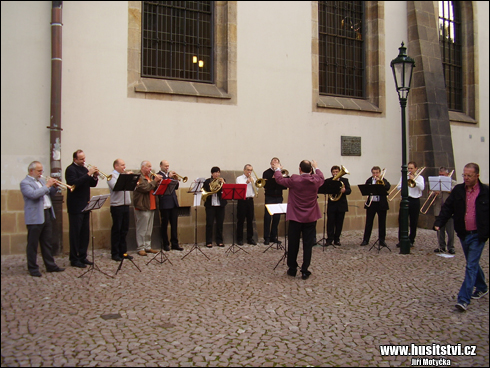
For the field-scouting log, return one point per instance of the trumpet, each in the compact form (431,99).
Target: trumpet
(178,177)
(379,181)
(411,182)
(343,171)
(60,184)
(215,187)
(104,176)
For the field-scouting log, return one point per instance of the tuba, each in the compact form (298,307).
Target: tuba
(343,171)
(215,187)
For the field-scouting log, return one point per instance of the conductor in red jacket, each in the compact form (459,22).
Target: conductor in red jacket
(302,212)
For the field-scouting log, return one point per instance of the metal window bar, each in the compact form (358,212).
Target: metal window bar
(341,48)
(450,41)
(177,36)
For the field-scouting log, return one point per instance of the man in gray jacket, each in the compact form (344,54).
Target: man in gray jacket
(39,215)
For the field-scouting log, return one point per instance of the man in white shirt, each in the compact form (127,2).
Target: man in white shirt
(414,195)
(245,207)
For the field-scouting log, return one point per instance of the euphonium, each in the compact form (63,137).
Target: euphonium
(343,171)
(215,187)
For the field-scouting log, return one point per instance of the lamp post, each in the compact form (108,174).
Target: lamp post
(402,72)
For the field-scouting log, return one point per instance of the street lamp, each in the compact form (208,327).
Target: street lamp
(402,72)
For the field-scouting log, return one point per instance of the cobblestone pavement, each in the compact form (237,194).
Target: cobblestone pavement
(236,310)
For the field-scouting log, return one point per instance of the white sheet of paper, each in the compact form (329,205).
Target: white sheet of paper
(444,255)
(277,208)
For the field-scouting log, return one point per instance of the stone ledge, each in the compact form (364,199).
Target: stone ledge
(460,117)
(345,103)
(173,87)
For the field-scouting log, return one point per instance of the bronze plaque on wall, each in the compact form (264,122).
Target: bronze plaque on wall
(350,146)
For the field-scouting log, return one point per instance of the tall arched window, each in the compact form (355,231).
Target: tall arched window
(341,48)
(450,40)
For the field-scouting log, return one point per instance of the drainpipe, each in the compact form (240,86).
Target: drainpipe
(55,123)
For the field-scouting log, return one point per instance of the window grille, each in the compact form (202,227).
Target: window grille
(450,41)
(177,40)
(341,45)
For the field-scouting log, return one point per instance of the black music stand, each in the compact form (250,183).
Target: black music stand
(234,192)
(329,186)
(166,187)
(275,209)
(126,183)
(125,256)
(195,188)
(281,208)
(95,203)
(371,190)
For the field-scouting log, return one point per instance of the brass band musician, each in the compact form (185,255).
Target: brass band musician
(336,209)
(377,204)
(245,207)
(215,208)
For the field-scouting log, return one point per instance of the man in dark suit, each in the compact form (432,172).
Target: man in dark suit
(336,209)
(273,195)
(377,204)
(169,210)
(302,212)
(215,208)
(83,179)
(38,216)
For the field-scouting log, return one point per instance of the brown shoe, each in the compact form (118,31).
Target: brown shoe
(151,251)
(142,253)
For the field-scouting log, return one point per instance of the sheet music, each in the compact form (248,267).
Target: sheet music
(197,198)
(440,183)
(277,208)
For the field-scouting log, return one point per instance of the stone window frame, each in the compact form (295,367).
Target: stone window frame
(224,88)
(470,72)
(375,101)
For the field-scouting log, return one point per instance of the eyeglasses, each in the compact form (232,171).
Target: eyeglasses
(467,176)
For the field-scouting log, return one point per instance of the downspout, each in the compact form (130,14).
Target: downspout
(55,123)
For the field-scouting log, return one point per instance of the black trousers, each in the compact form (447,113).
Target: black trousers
(79,236)
(370,213)
(214,213)
(245,210)
(40,235)
(413,218)
(296,229)
(270,232)
(119,230)
(335,222)
(169,215)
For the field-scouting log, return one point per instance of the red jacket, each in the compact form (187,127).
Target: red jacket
(302,200)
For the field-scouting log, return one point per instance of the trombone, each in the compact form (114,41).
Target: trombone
(395,191)
(60,184)
(258,182)
(379,181)
(431,198)
(104,176)
(411,182)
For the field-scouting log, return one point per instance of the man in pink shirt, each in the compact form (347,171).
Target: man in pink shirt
(302,212)
(468,206)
